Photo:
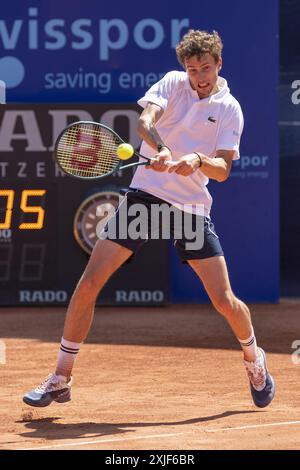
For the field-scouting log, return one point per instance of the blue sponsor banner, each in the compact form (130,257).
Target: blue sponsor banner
(75,51)
(95,51)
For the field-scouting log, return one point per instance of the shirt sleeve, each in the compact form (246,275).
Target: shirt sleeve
(160,92)
(231,130)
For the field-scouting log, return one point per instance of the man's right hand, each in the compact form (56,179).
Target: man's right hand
(158,162)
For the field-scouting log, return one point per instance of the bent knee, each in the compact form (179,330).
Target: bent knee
(226,304)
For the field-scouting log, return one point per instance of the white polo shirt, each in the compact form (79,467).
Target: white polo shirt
(189,124)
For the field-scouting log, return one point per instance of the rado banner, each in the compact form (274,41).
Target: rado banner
(49,221)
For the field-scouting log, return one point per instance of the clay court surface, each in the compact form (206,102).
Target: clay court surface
(150,378)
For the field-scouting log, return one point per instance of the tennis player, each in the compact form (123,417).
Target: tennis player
(191,118)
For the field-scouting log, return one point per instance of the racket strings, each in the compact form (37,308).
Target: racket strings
(88,151)
(90,162)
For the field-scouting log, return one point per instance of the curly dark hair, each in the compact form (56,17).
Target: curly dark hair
(197,43)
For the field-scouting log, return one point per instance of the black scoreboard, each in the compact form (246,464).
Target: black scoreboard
(48,220)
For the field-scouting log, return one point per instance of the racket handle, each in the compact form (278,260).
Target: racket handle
(131,165)
(149,159)
(168,162)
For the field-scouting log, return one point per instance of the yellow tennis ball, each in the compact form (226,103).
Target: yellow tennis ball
(125,151)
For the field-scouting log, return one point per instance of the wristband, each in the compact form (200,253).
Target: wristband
(160,146)
(200,158)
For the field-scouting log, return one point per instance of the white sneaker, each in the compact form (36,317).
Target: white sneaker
(54,388)
(262,384)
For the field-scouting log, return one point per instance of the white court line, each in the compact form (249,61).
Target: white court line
(254,426)
(84,443)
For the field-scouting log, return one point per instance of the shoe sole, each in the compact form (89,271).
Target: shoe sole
(36,404)
(42,404)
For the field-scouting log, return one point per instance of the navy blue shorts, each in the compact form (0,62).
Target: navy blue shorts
(138,219)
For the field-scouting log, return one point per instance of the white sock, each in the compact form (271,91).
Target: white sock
(249,347)
(66,357)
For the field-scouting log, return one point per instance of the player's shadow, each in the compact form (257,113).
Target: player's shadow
(51,429)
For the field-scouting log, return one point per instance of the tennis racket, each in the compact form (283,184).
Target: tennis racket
(88,150)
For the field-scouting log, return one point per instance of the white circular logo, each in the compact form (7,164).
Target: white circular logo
(12,71)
